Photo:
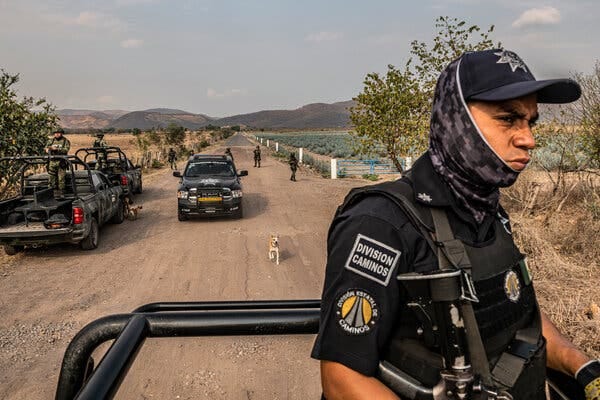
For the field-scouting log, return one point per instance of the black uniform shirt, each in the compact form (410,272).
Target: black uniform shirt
(369,244)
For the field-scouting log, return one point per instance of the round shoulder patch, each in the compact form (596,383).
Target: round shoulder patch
(357,312)
(512,287)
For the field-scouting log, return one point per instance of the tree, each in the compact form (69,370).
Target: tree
(588,111)
(393,112)
(385,115)
(175,134)
(24,126)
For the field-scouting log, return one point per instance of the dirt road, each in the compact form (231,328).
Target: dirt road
(47,295)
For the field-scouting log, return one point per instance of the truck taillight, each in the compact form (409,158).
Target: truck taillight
(123,180)
(78,215)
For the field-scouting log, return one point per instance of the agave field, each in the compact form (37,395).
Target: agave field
(336,144)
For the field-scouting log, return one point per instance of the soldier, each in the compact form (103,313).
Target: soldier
(293,166)
(171,157)
(257,156)
(101,155)
(58,145)
(228,153)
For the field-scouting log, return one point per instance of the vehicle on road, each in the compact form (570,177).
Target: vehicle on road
(32,216)
(210,185)
(113,162)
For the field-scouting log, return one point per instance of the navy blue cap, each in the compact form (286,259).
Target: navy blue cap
(498,75)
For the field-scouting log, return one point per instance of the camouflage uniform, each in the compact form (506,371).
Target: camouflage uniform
(293,166)
(257,157)
(171,157)
(228,153)
(56,168)
(101,155)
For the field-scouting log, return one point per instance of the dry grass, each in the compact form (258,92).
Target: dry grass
(559,233)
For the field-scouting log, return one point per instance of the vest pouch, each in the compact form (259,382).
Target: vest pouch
(414,359)
(531,383)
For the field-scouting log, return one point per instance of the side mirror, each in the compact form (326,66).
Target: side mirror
(177,174)
(243,173)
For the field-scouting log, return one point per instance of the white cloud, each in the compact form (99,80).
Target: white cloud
(538,16)
(106,100)
(89,19)
(210,92)
(324,36)
(131,43)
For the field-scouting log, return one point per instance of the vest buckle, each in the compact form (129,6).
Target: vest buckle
(468,291)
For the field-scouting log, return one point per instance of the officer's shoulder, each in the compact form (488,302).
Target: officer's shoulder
(376,206)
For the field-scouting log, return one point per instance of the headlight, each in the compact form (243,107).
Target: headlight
(182,194)
(236,193)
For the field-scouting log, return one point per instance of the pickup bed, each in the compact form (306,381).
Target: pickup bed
(35,217)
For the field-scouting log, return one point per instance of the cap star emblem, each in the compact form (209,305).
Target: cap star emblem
(424,197)
(512,59)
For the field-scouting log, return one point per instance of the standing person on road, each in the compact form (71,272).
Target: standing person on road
(100,143)
(58,145)
(293,166)
(257,156)
(423,274)
(171,158)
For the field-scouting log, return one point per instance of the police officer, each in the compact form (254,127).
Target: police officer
(100,143)
(385,313)
(293,166)
(57,145)
(172,157)
(257,156)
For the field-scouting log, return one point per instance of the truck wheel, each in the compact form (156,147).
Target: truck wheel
(181,216)
(139,190)
(90,242)
(11,250)
(119,216)
(239,213)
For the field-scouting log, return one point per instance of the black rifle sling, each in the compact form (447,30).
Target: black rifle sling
(445,237)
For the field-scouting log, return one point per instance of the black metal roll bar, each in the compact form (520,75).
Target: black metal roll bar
(78,379)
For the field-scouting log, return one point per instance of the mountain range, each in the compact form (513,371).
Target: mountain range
(311,116)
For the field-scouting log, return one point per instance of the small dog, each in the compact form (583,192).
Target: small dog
(131,210)
(274,248)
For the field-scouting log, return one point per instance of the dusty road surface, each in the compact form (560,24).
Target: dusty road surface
(47,295)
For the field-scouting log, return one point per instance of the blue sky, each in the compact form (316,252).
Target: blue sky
(225,57)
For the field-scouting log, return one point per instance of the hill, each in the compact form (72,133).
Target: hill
(316,115)
(310,116)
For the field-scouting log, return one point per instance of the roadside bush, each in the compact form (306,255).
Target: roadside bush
(320,166)
(157,164)
(370,177)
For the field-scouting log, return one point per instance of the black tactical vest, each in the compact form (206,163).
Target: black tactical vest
(507,312)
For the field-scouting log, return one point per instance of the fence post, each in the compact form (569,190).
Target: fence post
(408,162)
(333,168)
(261,140)
(267,142)
(371,167)
(300,154)
(276,146)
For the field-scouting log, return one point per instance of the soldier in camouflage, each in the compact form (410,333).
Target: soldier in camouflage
(101,155)
(257,156)
(58,145)
(293,166)
(171,158)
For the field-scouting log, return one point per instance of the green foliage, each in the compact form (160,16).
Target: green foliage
(157,164)
(320,166)
(24,126)
(371,177)
(334,144)
(154,137)
(174,135)
(203,143)
(588,111)
(136,132)
(392,111)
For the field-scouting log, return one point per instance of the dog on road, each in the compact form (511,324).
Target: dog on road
(131,211)
(274,248)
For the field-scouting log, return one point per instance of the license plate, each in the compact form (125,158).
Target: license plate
(208,199)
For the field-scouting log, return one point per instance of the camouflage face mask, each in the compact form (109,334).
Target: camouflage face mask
(459,153)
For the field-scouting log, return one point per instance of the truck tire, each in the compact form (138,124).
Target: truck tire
(181,216)
(239,213)
(11,250)
(90,242)
(119,216)
(139,189)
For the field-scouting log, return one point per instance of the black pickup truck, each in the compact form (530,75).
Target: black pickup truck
(210,185)
(113,162)
(32,216)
